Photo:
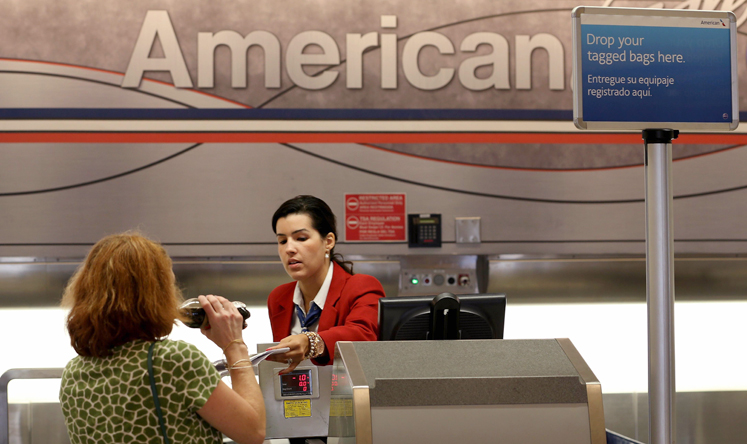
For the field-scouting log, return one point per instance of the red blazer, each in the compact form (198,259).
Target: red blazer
(350,313)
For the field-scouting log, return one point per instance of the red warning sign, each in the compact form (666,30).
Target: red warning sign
(375,218)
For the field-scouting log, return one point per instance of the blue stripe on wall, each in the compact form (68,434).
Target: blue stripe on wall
(281,114)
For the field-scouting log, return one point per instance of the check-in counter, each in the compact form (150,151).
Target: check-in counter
(507,391)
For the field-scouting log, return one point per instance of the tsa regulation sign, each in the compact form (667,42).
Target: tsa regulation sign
(375,217)
(654,68)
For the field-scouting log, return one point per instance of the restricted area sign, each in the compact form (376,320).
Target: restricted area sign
(375,217)
(654,68)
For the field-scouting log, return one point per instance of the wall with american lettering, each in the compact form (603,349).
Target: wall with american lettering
(193,120)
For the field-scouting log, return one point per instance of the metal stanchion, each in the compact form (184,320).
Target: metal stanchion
(660,285)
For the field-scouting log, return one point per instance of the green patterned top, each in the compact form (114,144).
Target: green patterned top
(108,400)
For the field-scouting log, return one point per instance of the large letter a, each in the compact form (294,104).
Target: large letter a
(157,25)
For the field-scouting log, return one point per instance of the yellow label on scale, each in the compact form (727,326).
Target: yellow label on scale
(297,408)
(340,407)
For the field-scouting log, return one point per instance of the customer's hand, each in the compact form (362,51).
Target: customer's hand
(224,322)
(299,346)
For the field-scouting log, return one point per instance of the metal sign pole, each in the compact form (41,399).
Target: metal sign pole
(660,285)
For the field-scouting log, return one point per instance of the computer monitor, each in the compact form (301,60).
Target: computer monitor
(481,316)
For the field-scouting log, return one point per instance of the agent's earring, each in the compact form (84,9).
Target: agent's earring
(326,255)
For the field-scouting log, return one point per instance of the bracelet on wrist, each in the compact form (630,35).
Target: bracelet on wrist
(235,341)
(316,345)
(233,366)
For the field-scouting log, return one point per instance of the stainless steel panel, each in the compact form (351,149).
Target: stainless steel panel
(252,281)
(25,373)
(29,282)
(433,281)
(246,280)
(702,417)
(612,279)
(48,424)
(34,283)
(58,275)
(40,282)
(465,261)
(384,269)
(196,278)
(433,273)
(19,282)
(19,431)
(36,423)
(568,280)
(278,424)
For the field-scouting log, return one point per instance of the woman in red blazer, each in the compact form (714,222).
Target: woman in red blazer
(306,232)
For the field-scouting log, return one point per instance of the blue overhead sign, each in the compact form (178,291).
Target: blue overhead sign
(644,68)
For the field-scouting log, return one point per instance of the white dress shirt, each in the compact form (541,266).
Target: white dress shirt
(319,300)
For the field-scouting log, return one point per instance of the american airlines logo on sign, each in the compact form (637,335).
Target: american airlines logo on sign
(158,26)
(298,60)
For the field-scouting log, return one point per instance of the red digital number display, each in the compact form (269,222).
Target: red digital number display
(296,383)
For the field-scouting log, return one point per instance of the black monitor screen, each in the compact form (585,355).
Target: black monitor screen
(481,316)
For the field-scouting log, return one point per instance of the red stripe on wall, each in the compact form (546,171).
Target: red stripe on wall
(378,137)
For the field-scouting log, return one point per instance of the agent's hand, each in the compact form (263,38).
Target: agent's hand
(224,322)
(299,346)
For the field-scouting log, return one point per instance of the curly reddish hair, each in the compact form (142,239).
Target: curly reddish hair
(123,291)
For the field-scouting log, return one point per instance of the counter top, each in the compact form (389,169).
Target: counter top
(479,372)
